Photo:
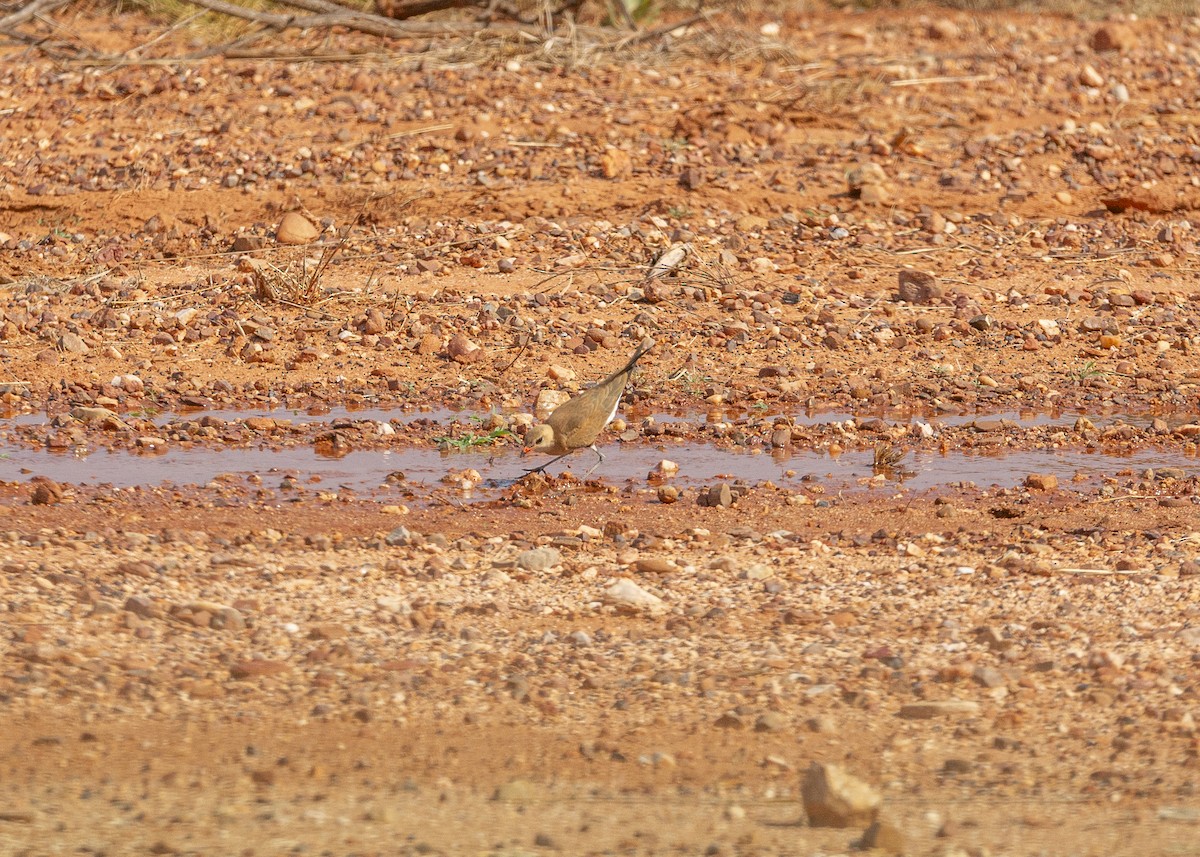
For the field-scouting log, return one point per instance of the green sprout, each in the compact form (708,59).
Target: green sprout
(470,440)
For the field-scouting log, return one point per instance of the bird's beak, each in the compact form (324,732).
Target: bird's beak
(525,450)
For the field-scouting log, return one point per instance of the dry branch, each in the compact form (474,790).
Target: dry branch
(412,8)
(30,10)
(364,22)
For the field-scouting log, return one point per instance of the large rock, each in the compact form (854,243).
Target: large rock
(834,798)
(295,228)
(538,559)
(1114,37)
(628,595)
(918,287)
(460,349)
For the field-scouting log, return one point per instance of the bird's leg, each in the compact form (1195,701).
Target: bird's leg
(542,468)
(599,460)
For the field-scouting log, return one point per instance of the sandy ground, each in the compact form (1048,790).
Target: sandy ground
(910,242)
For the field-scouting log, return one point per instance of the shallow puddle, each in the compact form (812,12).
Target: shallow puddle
(365,471)
(446,416)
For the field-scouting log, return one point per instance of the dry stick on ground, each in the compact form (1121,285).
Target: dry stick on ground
(658,32)
(234,46)
(29,10)
(365,22)
(412,8)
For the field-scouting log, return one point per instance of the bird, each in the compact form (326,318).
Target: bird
(576,423)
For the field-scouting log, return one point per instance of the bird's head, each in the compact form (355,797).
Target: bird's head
(540,438)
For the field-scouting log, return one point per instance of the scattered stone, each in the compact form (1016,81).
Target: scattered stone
(665,469)
(771,721)
(1114,37)
(834,798)
(945,708)
(943,30)
(719,495)
(460,349)
(256,668)
(627,594)
(46,492)
(655,565)
(919,287)
(538,559)
(1088,76)
(874,194)
(247,244)
(141,606)
(988,676)
(864,175)
(399,537)
(615,163)
(729,720)
(883,836)
(515,791)
(295,228)
(1041,481)
(72,344)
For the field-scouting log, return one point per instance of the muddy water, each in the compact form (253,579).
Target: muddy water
(366,471)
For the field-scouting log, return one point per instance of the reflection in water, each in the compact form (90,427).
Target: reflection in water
(634,415)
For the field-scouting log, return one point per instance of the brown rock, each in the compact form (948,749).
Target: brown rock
(429,344)
(46,493)
(718,495)
(374,322)
(1152,200)
(771,721)
(1041,481)
(1114,37)
(862,175)
(247,244)
(728,720)
(918,287)
(692,178)
(256,668)
(615,163)
(873,194)
(655,565)
(295,228)
(882,836)
(136,568)
(72,344)
(943,30)
(462,350)
(327,631)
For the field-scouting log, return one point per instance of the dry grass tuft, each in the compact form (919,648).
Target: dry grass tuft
(297,284)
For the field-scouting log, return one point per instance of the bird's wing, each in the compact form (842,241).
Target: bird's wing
(573,421)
